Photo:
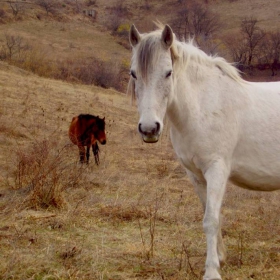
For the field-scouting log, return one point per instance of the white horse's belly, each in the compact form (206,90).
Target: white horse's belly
(259,183)
(256,175)
(255,163)
(253,170)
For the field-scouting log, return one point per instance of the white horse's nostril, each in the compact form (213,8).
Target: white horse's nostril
(157,128)
(153,130)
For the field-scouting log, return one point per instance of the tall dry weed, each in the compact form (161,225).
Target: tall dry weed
(93,71)
(44,171)
(35,61)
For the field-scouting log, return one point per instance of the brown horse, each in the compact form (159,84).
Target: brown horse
(86,130)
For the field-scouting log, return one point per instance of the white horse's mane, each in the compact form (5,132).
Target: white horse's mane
(182,54)
(187,52)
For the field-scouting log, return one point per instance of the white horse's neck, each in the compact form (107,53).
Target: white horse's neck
(198,78)
(189,74)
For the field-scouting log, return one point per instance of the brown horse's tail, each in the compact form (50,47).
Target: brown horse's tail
(72,133)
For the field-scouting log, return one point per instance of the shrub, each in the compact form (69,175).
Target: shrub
(90,71)
(44,172)
(35,61)
(90,2)
(93,72)
(118,14)
(48,5)
(2,13)
(123,30)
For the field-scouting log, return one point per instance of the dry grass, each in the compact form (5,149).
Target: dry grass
(133,217)
(136,215)
(231,14)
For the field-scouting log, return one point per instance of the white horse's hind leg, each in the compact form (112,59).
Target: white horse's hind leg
(200,188)
(216,177)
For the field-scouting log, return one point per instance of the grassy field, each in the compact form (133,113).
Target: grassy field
(135,216)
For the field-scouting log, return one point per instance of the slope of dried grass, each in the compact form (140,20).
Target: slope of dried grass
(76,36)
(134,217)
(66,40)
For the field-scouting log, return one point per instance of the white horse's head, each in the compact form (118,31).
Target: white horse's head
(151,78)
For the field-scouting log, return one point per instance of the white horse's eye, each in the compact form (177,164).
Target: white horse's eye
(132,73)
(168,74)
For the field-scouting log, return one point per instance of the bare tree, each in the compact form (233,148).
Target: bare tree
(237,48)
(253,37)
(269,55)
(275,44)
(181,24)
(118,14)
(196,21)
(48,5)
(17,7)
(246,47)
(203,22)
(13,45)
(90,2)
(77,5)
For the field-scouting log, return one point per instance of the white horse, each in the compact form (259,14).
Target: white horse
(222,127)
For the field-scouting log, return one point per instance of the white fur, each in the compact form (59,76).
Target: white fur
(222,127)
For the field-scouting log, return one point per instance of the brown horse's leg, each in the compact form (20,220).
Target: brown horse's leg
(88,148)
(82,153)
(95,150)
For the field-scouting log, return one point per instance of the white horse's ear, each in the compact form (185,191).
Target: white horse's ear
(134,36)
(167,36)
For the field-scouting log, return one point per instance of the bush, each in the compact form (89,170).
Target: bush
(93,72)
(90,71)
(43,171)
(123,30)
(35,62)
(118,14)
(2,13)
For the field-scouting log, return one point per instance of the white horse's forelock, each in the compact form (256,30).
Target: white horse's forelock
(131,89)
(147,54)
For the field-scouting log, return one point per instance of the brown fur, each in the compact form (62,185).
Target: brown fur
(86,130)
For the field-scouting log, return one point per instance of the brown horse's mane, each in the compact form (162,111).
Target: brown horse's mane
(87,116)
(99,122)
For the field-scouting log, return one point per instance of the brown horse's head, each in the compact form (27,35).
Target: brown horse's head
(99,130)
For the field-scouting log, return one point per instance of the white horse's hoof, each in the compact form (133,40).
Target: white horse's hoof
(212,276)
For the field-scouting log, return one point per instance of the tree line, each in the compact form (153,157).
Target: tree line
(250,48)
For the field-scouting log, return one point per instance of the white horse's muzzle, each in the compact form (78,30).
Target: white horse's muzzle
(150,134)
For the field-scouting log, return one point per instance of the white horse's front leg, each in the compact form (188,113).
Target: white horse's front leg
(216,178)
(200,188)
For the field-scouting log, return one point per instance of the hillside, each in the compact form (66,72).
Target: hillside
(68,39)
(136,215)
